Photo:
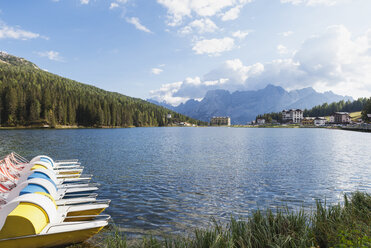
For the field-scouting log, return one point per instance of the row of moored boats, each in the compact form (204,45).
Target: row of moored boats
(46,203)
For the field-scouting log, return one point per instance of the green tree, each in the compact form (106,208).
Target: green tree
(11,100)
(367,110)
(35,109)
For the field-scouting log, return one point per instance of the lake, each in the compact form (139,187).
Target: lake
(171,180)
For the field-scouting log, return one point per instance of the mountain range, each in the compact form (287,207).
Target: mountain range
(244,106)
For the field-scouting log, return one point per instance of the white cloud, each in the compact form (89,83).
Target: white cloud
(117,3)
(84,1)
(286,33)
(17,33)
(52,55)
(179,92)
(113,5)
(156,71)
(204,25)
(214,46)
(232,14)
(281,49)
(332,60)
(178,9)
(235,72)
(295,2)
(240,34)
(165,93)
(314,2)
(185,30)
(135,21)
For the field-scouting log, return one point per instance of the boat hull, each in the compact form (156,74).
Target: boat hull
(95,211)
(50,240)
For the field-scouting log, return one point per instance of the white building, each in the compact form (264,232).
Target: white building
(260,121)
(332,118)
(320,121)
(341,118)
(220,121)
(292,115)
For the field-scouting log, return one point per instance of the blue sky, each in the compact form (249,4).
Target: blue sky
(174,50)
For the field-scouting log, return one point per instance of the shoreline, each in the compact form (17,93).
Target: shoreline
(63,127)
(58,127)
(346,128)
(345,224)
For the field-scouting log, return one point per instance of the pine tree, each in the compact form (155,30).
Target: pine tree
(11,100)
(35,109)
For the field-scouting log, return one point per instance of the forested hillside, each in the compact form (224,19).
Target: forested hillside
(31,96)
(341,106)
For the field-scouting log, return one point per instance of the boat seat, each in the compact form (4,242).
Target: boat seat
(43,158)
(46,184)
(32,212)
(5,211)
(41,165)
(46,174)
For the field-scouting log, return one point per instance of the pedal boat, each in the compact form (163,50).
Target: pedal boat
(74,171)
(62,196)
(12,180)
(17,163)
(44,224)
(14,174)
(50,175)
(61,164)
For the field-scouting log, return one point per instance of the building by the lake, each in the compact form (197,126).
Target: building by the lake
(292,115)
(220,121)
(320,121)
(340,118)
(308,121)
(260,121)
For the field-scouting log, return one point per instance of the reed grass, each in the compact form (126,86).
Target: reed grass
(342,225)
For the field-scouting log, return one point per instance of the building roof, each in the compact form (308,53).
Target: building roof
(320,118)
(292,110)
(342,113)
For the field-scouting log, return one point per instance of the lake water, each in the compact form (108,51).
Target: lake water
(175,179)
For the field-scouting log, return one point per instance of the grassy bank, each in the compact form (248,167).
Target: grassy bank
(342,225)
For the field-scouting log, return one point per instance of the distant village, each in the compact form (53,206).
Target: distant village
(292,116)
(295,116)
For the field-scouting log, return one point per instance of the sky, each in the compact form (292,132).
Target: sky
(175,50)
